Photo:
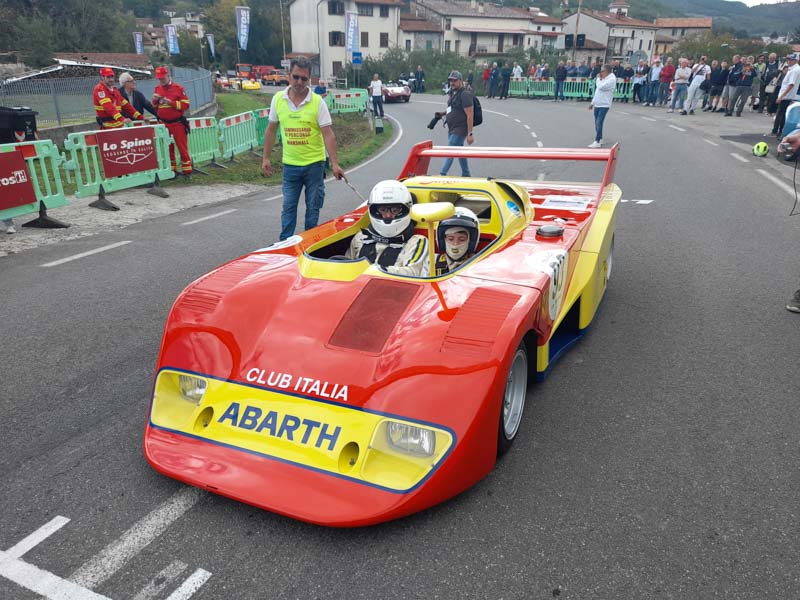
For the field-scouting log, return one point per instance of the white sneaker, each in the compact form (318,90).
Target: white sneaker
(596,145)
(11,229)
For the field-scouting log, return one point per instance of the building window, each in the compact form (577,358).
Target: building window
(364,10)
(674,32)
(553,29)
(529,41)
(633,34)
(335,8)
(428,44)
(384,40)
(408,45)
(337,67)
(384,11)
(458,46)
(649,44)
(683,32)
(538,28)
(336,38)
(447,45)
(448,23)
(640,44)
(517,40)
(365,39)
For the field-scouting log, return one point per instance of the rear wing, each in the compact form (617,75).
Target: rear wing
(420,156)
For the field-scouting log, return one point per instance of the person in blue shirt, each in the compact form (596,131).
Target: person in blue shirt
(583,69)
(321,88)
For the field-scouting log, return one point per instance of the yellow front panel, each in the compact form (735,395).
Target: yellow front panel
(324,436)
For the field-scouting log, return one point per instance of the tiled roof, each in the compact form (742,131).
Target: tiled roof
(464,9)
(411,23)
(614,19)
(699,22)
(140,61)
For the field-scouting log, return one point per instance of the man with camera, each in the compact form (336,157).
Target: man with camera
(789,149)
(459,120)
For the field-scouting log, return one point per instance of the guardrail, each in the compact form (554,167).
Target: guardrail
(574,87)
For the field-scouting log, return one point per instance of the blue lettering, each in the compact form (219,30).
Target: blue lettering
(289,428)
(310,426)
(269,423)
(250,417)
(330,437)
(232,413)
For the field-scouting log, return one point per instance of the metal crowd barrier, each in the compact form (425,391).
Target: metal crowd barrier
(238,134)
(44,163)
(85,165)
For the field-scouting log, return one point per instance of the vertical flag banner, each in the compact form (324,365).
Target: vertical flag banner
(171,33)
(242,25)
(138,42)
(210,38)
(352,40)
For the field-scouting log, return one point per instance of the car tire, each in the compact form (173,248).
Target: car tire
(406,99)
(512,405)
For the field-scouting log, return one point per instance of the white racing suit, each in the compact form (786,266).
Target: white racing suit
(405,254)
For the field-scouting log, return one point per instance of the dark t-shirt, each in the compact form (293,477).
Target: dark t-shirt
(457,119)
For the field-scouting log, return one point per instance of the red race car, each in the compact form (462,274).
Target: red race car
(395,92)
(334,392)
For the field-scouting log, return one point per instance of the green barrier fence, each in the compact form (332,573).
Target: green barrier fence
(238,134)
(86,167)
(518,87)
(44,163)
(624,89)
(204,141)
(574,87)
(262,121)
(353,101)
(578,87)
(539,87)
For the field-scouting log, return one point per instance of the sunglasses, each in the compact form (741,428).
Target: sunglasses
(299,77)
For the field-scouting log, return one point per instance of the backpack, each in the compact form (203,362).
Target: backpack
(477,111)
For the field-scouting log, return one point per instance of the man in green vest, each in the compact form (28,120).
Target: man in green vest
(306,131)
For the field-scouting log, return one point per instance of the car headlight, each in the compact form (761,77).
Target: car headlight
(192,388)
(408,438)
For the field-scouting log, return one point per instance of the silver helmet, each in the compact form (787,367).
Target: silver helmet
(390,208)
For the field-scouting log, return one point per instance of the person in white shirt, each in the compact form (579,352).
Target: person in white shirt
(700,72)
(682,74)
(788,93)
(601,102)
(376,91)
(517,71)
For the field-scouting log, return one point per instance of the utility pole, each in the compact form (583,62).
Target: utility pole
(577,29)
(283,33)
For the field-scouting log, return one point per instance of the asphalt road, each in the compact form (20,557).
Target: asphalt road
(658,460)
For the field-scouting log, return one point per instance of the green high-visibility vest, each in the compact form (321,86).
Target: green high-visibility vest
(302,137)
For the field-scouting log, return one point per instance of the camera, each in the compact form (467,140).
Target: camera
(784,152)
(435,120)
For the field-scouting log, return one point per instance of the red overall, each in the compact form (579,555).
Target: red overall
(109,106)
(170,107)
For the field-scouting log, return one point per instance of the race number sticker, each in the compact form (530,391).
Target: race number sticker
(554,263)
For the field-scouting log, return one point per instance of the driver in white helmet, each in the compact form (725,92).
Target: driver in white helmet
(458,235)
(389,240)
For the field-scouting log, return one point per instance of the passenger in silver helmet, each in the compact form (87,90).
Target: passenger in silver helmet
(458,237)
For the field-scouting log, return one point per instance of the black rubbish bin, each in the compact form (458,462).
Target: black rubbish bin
(17,124)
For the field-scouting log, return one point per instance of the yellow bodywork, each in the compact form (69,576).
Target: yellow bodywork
(321,435)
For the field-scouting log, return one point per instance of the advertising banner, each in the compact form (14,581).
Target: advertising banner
(210,38)
(128,150)
(138,42)
(16,187)
(352,40)
(171,33)
(242,25)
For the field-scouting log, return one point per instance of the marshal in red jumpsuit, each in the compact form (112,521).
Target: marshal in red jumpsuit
(109,106)
(171,103)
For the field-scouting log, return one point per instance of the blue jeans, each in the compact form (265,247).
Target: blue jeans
(663,93)
(652,91)
(600,113)
(294,180)
(377,105)
(679,93)
(455,140)
(559,90)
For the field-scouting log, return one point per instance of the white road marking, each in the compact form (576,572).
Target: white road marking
(649,119)
(622,112)
(784,186)
(61,261)
(494,112)
(540,177)
(161,581)
(526,126)
(533,133)
(518,121)
(739,158)
(214,216)
(190,586)
(43,582)
(676,128)
(539,144)
(114,556)
(633,201)
(710,142)
(44,532)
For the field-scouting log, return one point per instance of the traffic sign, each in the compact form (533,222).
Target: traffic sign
(356,58)
(286,63)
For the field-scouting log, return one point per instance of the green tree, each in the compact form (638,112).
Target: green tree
(190,47)
(36,41)
(795,37)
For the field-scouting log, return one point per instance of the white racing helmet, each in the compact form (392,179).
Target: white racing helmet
(390,194)
(462,220)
